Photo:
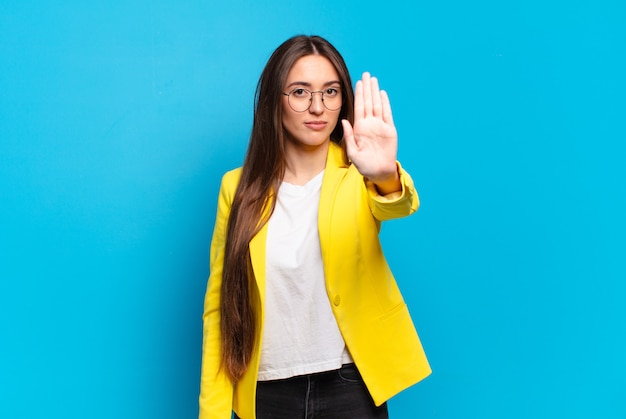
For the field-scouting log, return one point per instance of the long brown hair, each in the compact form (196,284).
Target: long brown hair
(263,171)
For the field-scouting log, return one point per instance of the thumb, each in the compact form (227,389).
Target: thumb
(348,135)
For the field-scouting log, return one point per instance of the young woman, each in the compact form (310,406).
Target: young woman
(303,318)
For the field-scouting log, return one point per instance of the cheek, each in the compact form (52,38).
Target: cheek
(335,121)
(288,124)
(289,118)
(286,113)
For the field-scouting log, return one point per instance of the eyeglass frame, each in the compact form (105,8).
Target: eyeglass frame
(339,90)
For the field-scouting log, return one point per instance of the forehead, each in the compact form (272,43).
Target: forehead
(312,69)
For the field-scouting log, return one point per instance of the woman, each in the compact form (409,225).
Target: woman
(303,317)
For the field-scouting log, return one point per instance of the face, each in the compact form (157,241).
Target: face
(311,128)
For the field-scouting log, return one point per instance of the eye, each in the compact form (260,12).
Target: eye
(300,93)
(331,92)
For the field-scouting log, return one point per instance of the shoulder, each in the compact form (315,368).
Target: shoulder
(231,177)
(230,180)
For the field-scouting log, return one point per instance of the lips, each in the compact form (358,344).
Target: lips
(316,125)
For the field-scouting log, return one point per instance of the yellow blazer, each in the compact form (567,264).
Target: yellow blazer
(364,296)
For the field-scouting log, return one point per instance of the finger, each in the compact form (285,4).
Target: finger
(348,136)
(377,109)
(358,100)
(386,106)
(367,94)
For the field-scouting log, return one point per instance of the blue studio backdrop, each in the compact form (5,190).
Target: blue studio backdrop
(117,120)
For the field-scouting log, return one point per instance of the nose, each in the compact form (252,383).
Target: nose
(317,103)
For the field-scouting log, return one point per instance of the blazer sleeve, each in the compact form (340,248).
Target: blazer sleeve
(397,204)
(216,389)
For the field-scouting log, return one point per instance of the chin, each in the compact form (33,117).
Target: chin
(310,140)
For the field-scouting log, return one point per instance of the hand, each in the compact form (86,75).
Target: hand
(372,144)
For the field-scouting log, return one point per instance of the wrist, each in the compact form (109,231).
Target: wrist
(389,183)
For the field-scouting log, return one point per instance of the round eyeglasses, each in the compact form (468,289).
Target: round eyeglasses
(300,99)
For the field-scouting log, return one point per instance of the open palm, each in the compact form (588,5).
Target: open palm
(372,143)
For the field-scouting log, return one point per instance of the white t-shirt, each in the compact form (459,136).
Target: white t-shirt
(300,335)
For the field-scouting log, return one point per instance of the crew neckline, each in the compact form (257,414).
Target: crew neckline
(312,184)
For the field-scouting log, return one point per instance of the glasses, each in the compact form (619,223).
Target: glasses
(300,99)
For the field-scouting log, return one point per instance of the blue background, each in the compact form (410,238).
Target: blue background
(117,120)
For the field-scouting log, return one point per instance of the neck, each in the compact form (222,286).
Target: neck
(304,163)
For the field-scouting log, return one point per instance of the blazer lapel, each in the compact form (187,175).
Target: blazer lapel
(335,171)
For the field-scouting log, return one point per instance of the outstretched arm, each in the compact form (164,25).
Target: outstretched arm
(372,144)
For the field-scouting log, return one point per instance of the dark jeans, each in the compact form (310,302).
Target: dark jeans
(339,394)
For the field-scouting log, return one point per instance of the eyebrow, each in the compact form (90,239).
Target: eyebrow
(307,84)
